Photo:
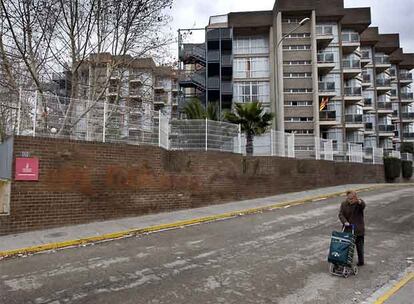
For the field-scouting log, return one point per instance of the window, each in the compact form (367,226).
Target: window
(299,35)
(291,20)
(251,91)
(298,119)
(251,45)
(297,75)
(300,131)
(299,47)
(298,103)
(297,62)
(298,90)
(251,67)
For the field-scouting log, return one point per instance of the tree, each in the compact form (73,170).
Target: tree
(195,110)
(254,121)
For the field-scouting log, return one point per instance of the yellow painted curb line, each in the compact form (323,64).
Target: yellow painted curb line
(151,229)
(395,288)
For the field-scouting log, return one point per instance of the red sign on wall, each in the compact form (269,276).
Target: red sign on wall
(27,169)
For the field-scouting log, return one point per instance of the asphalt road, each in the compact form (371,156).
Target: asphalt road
(273,257)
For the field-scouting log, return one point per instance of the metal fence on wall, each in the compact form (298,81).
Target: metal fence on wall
(114,121)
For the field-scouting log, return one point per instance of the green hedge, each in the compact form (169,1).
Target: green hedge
(392,167)
(407,147)
(407,169)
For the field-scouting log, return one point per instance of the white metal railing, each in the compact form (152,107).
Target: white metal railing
(52,116)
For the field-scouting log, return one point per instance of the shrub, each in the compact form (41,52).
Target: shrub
(392,167)
(407,147)
(407,169)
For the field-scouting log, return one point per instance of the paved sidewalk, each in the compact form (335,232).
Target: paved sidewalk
(85,231)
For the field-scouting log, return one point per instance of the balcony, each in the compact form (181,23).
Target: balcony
(369,128)
(407,116)
(326,62)
(351,68)
(327,89)
(382,63)
(352,94)
(394,94)
(366,80)
(386,130)
(384,107)
(365,58)
(355,137)
(327,118)
(213,83)
(406,78)
(213,56)
(383,85)
(350,42)
(354,121)
(407,97)
(227,60)
(408,135)
(368,105)
(227,88)
(324,35)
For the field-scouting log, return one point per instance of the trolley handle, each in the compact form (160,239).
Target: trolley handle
(352,227)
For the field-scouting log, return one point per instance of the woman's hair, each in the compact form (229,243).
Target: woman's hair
(349,192)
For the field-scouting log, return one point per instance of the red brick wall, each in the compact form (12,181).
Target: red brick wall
(82,182)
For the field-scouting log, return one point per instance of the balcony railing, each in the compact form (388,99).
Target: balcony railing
(226,60)
(352,91)
(386,128)
(327,115)
(353,118)
(369,126)
(213,82)
(366,78)
(213,55)
(368,102)
(351,64)
(408,135)
(324,30)
(407,115)
(326,86)
(384,105)
(382,60)
(407,96)
(383,82)
(350,38)
(366,55)
(226,87)
(326,58)
(406,76)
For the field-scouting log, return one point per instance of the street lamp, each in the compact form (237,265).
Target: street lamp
(281,121)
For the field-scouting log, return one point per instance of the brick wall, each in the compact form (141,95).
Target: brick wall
(82,182)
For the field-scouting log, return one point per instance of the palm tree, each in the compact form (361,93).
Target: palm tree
(254,121)
(195,110)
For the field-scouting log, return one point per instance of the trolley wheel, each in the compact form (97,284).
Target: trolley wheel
(346,273)
(355,270)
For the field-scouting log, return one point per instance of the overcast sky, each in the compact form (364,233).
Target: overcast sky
(391,16)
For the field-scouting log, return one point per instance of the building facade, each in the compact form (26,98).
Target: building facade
(317,65)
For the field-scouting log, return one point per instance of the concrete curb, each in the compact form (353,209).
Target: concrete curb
(400,284)
(179,224)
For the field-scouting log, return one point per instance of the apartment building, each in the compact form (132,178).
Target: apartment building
(317,65)
(127,91)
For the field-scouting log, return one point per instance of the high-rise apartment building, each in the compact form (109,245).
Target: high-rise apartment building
(317,65)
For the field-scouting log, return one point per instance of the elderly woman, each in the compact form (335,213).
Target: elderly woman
(352,213)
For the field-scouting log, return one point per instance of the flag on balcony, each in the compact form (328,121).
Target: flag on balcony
(324,103)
